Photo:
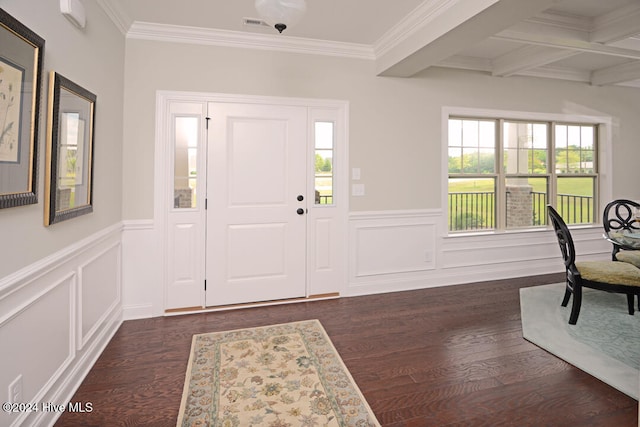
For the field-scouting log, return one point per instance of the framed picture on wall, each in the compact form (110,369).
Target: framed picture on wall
(69,168)
(21,57)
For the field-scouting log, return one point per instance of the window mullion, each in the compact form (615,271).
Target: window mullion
(501,186)
(553,182)
(596,171)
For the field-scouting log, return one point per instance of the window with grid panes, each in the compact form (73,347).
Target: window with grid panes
(503,173)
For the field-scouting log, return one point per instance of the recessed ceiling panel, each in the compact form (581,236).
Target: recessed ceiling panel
(590,8)
(590,62)
(490,48)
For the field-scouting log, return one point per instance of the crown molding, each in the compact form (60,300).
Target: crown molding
(237,39)
(118,16)
(413,22)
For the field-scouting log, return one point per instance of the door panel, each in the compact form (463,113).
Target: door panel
(257,250)
(258,161)
(256,239)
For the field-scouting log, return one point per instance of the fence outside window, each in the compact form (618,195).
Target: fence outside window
(473,211)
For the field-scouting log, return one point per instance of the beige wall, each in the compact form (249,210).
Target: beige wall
(394,123)
(94,59)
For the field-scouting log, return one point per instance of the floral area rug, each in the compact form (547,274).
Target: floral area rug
(286,375)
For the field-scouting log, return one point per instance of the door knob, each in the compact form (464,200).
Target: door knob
(300,211)
(300,197)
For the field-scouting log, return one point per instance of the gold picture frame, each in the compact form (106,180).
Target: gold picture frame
(21,58)
(69,168)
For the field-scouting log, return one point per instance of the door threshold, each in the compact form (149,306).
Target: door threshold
(193,310)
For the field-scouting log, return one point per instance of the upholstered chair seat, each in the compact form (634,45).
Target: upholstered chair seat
(615,273)
(631,257)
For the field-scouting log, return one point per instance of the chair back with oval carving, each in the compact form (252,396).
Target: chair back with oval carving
(620,214)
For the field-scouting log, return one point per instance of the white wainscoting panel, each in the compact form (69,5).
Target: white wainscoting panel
(142,270)
(38,348)
(100,291)
(399,248)
(387,248)
(56,317)
(404,250)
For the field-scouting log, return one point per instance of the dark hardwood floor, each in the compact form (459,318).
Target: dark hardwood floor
(449,356)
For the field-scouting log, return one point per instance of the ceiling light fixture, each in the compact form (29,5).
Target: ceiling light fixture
(281,13)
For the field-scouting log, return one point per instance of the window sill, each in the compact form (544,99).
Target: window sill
(478,234)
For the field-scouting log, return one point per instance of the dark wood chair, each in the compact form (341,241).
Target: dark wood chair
(618,219)
(609,276)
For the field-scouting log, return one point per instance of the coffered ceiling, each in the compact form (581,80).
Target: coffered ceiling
(591,41)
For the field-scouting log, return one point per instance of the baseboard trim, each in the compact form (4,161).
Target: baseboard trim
(63,394)
(140,311)
(433,279)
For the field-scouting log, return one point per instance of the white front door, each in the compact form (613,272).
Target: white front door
(256,203)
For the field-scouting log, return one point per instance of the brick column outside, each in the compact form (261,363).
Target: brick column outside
(519,206)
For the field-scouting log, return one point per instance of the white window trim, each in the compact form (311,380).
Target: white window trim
(605,163)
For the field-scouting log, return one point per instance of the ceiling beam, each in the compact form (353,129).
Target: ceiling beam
(559,73)
(545,71)
(550,40)
(461,24)
(467,63)
(617,74)
(528,57)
